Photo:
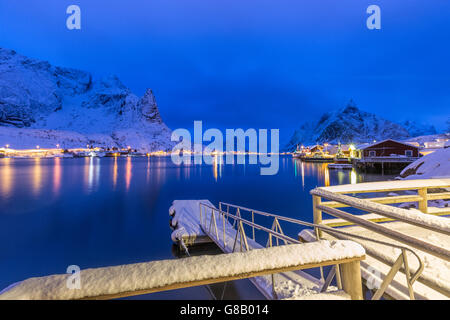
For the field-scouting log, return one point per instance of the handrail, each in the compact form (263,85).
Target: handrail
(402,259)
(377,208)
(338,197)
(395,235)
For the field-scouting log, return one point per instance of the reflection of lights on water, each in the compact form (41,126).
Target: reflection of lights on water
(353,177)
(115,173)
(148,169)
(295,167)
(326,174)
(303,174)
(217,166)
(37,176)
(6,174)
(56,175)
(128,173)
(91,172)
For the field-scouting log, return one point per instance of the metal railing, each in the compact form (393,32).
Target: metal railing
(233,225)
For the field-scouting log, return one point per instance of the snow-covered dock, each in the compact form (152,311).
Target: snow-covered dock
(416,261)
(197,218)
(186,222)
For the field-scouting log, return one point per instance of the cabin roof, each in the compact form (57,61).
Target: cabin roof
(380,142)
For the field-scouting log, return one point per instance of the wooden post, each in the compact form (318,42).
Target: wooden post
(351,280)
(317,214)
(423,204)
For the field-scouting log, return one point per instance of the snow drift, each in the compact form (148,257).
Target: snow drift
(433,165)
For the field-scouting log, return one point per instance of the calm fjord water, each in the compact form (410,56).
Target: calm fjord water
(95,212)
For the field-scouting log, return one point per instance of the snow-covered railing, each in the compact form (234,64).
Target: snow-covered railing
(380,211)
(212,217)
(419,187)
(143,278)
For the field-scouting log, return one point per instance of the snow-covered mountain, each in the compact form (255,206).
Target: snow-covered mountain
(352,125)
(416,129)
(48,105)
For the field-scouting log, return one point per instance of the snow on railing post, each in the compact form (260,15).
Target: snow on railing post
(423,204)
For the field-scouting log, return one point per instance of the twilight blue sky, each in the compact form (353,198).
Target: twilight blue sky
(251,63)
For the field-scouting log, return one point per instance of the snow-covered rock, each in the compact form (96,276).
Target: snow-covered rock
(71,105)
(416,129)
(433,165)
(352,125)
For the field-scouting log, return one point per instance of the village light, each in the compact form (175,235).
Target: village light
(7,146)
(37,147)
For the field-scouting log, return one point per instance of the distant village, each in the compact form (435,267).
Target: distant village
(386,156)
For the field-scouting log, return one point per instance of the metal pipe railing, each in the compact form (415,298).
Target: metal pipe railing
(273,232)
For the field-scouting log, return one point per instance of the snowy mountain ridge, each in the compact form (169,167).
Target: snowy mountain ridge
(352,125)
(41,102)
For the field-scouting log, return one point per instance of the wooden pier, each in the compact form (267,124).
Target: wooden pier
(424,232)
(383,164)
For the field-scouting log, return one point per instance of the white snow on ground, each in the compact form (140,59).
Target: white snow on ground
(20,138)
(433,165)
(155,274)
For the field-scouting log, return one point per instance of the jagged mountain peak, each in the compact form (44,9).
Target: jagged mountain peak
(350,124)
(37,95)
(148,107)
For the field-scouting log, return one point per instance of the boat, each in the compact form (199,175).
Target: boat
(342,166)
(317,157)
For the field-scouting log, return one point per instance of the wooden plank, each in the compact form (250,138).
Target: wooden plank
(367,187)
(182,285)
(372,252)
(377,208)
(395,235)
(423,204)
(351,280)
(384,200)
(438,196)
